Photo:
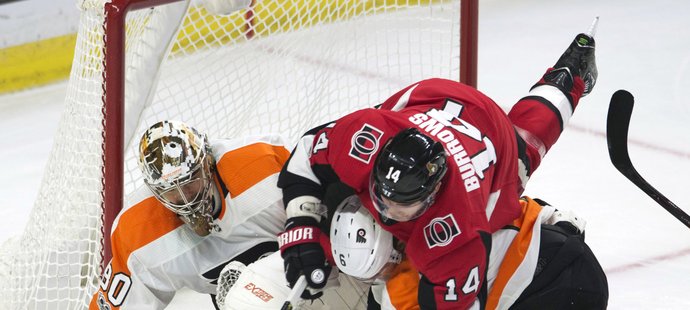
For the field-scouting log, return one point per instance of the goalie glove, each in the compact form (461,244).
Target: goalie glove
(226,280)
(257,286)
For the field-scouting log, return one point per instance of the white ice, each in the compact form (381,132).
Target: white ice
(642,46)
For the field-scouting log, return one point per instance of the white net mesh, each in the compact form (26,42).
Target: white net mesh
(53,264)
(280,66)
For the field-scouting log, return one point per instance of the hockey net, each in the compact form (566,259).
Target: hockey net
(272,66)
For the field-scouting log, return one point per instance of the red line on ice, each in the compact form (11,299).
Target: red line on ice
(634,142)
(648,261)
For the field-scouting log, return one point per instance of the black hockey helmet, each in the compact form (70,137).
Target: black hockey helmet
(407,171)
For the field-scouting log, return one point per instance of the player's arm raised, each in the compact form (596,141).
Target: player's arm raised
(541,116)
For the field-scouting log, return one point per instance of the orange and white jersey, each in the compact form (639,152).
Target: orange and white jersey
(155,254)
(399,292)
(512,264)
(514,255)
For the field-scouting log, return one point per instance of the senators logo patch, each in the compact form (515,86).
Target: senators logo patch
(441,231)
(365,143)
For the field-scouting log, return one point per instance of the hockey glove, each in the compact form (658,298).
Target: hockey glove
(302,254)
(568,220)
(565,219)
(578,61)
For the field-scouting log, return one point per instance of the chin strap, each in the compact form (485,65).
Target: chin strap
(216,207)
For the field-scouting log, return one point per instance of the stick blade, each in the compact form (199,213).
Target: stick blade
(617,124)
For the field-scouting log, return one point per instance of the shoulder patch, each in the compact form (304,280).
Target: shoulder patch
(441,231)
(365,143)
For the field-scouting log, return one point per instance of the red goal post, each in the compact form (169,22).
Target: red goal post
(114,86)
(274,66)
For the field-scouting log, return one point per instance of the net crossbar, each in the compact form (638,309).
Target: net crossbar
(268,67)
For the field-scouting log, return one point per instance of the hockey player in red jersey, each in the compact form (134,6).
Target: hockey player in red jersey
(205,203)
(441,167)
(540,261)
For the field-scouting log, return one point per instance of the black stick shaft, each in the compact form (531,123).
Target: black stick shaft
(617,124)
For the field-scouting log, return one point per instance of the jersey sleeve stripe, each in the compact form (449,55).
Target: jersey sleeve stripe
(491,204)
(546,103)
(298,164)
(517,267)
(404,99)
(555,98)
(246,166)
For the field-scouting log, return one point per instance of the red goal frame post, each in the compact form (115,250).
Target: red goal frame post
(114,94)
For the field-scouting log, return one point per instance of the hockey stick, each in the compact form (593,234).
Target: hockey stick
(295,294)
(617,126)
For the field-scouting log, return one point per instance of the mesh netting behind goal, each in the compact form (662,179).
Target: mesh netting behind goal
(275,66)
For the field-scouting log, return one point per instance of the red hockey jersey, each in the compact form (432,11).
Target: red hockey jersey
(488,163)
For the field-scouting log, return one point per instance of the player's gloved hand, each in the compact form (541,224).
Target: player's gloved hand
(568,220)
(303,254)
(575,73)
(564,218)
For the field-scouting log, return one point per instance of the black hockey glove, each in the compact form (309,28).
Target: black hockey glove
(578,60)
(303,255)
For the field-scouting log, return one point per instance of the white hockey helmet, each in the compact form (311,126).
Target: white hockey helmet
(360,246)
(178,166)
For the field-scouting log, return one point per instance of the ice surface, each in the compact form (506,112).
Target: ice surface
(643,47)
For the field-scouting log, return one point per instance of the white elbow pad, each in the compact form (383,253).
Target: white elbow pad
(306,206)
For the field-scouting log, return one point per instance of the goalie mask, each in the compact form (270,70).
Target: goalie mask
(178,167)
(360,246)
(406,175)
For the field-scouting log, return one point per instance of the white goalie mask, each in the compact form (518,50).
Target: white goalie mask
(360,246)
(178,167)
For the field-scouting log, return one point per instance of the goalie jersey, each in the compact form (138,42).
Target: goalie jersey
(155,254)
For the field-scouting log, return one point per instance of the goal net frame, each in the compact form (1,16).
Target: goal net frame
(114,95)
(56,262)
